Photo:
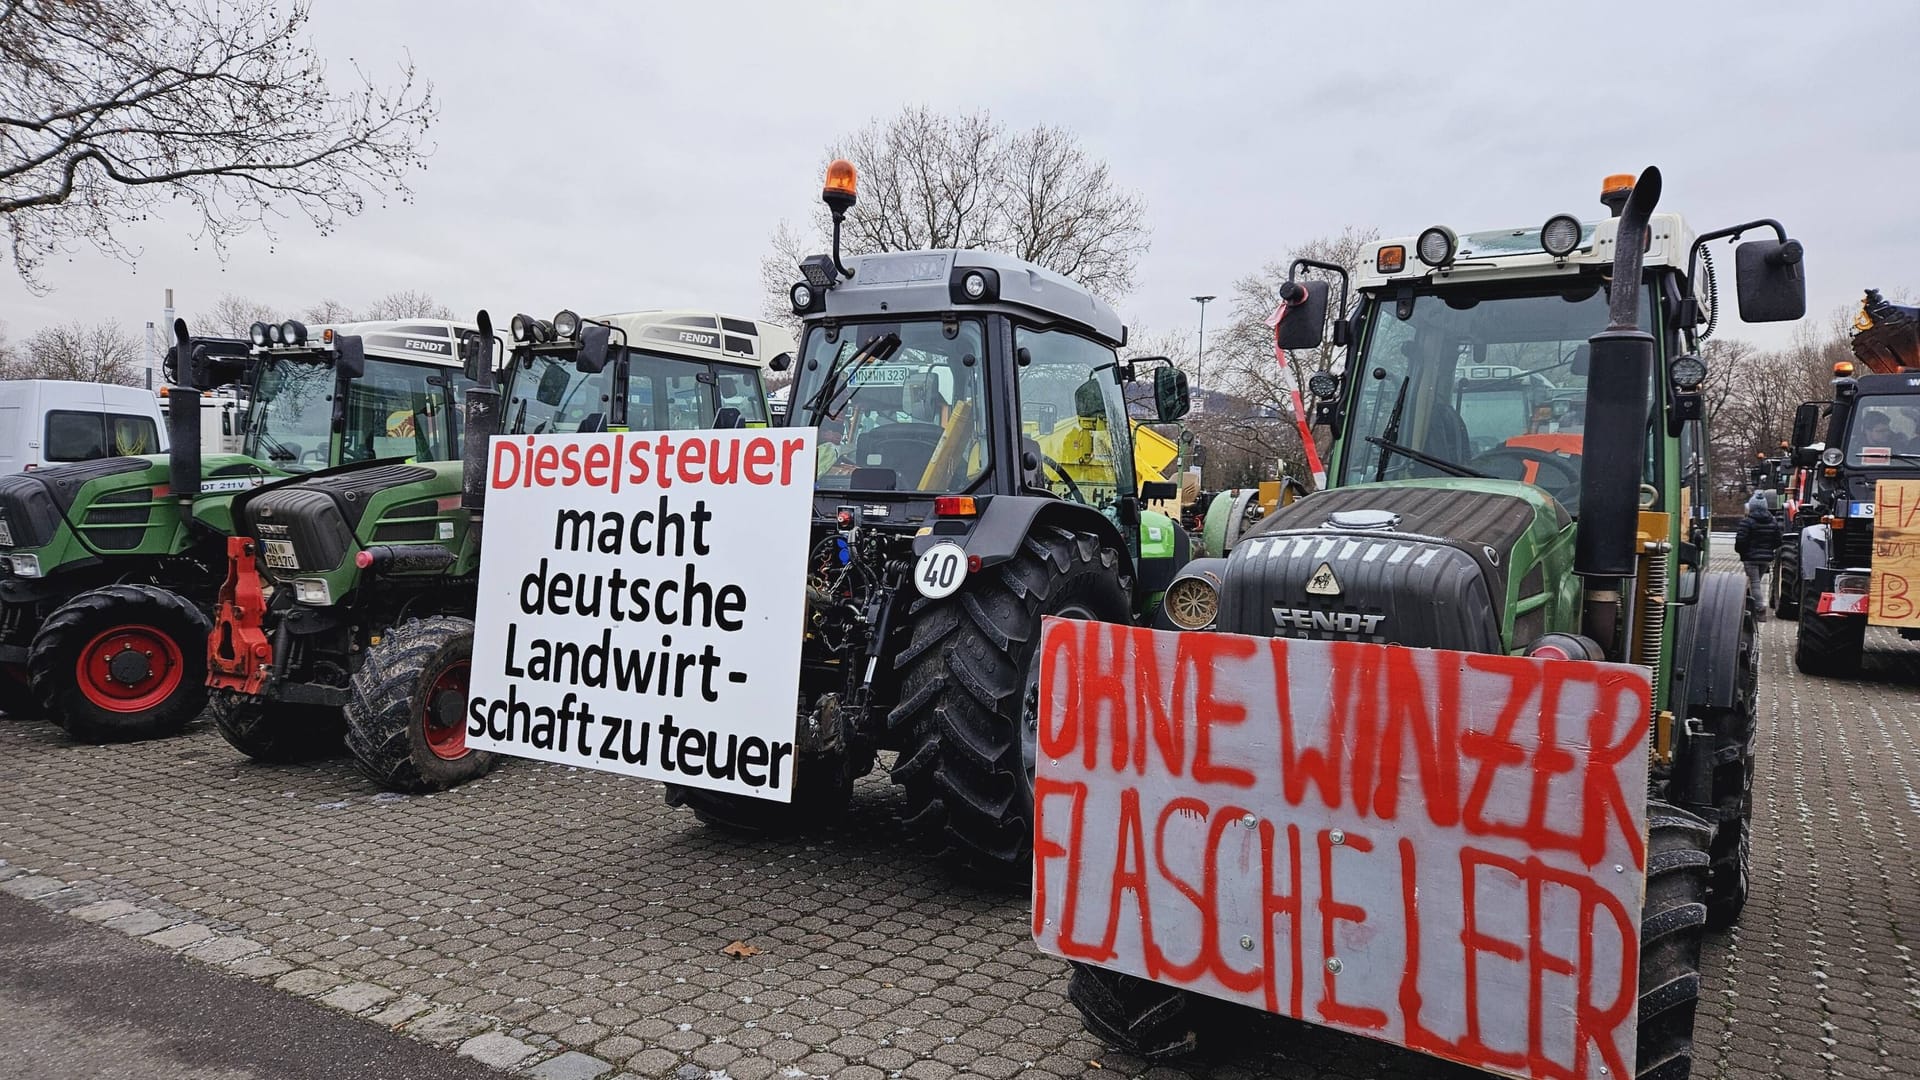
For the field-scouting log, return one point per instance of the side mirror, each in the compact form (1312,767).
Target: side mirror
(1772,280)
(351,362)
(553,386)
(1171,398)
(1158,490)
(728,417)
(1582,364)
(781,362)
(1306,321)
(1806,430)
(1088,402)
(595,345)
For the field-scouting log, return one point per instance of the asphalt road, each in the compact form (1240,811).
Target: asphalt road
(79,1001)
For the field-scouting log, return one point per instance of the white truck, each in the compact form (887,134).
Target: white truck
(222,421)
(49,421)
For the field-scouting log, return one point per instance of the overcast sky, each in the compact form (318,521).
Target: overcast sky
(627,155)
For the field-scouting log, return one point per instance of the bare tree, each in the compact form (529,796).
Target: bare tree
(82,352)
(404,304)
(965,181)
(328,310)
(112,112)
(232,316)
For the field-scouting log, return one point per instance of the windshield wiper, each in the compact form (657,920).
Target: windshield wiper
(1388,448)
(1393,428)
(876,350)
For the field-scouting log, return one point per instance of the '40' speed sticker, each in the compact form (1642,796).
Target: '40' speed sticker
(941,570)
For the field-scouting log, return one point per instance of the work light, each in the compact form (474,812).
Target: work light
(1560,235)
(1436,246)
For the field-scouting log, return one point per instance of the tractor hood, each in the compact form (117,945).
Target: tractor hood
(1424,563)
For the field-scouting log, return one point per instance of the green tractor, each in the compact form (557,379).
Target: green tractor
(976,474)
(350,593)
(1519,469)
(107,568)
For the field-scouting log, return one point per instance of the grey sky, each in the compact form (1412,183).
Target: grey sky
(626,155)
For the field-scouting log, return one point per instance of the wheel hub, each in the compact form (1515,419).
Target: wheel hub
(444,717)
(128,666)
(130,669)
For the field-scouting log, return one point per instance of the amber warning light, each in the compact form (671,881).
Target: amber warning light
(842,182)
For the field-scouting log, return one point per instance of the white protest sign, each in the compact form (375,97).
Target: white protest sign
(642,600)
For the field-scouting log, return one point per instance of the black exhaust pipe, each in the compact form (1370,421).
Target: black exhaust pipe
(1618,404)
(481,416)
(183,418)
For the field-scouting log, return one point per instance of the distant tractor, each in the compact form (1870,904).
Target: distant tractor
(1519,469)
(977,473)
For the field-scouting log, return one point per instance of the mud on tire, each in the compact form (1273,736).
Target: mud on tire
(406,718)
(1733,757)
(120,663)
(966,695)
(1139,1016)
(1826,645)
(275,732)
(1673,923)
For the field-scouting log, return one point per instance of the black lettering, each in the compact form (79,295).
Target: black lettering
(709,663)
(780,750)
(542,736)
(627,752)
(580,520)
(611,531)
(693,747)
(613,726)
(668,729)
(538,582)
(753,755)
(701,515)
(512,671)
(586,727)
(559,593)
(728,605)
(717,767)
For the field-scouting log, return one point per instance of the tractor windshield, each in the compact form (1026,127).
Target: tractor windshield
(664,393)
(1885,432)
(1476,382)
(900,406)
(394,410)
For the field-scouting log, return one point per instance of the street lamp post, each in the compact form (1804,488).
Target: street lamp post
(1200,357)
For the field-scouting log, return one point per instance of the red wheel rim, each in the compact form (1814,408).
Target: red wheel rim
(129,669)
(443,716)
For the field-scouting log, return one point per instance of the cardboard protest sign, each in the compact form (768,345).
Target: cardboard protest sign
(1896,554)
(642,599)
(1441,850)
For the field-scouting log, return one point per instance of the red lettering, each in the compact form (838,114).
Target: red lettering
(1168,728)
(1281,905)
(1435,737)
(1200,656)
(1046,848)
(597,465)
(570,460)
(1473,943)
(1129,844)
(1060,667)
(1890,595)
(1496,750)
(789,448)
(1601,797)
(1356,686)
(637,463)
(506,465)
(1103,686)
(759,461)
(1240,982)
(693,460)
(614,459)
(1417,1034)
(662,450)
(1298,766)
(1333,911)
(546,459)
(1157,963)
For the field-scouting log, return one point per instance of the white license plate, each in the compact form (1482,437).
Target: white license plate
(1862,509)
(6,533)
(280,555)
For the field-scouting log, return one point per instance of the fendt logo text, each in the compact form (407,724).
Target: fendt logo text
(1332,622)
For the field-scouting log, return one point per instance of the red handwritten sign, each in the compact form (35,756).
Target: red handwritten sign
(1441,850)
(1893,600)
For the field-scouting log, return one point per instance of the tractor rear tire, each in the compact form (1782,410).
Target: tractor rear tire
(1828,645)
(1137,1016)
(1733,735)
(121,663)
(407,717)
(276,733)
(969,695)
(1786,588)
(1673,925)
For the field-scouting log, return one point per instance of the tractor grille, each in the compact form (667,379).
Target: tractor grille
(31,502)
(310,525)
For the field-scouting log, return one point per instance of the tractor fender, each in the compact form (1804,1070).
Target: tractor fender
(1006,521)
(1813,551)
(1711,642)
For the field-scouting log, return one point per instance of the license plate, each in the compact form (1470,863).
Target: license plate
(6,533)
(1862,509)
(280,555)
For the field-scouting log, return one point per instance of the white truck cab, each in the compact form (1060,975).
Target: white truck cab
(51,421)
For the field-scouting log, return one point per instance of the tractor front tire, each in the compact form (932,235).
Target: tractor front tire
(276,733)
(1137,1016)
(969,695)
(1733,756)
(407,717)
(1829,645)
(1673,925)
(1786,588)
(121,663)
(16,694)
(822,788)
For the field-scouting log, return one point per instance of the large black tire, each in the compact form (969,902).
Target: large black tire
(120,663)
(966,715)
(1673,923)
(1140,1017)
(1828,645)
(275,732)
(1786,586)
(822,787)
(406,720)
(1732,729)
(16,694)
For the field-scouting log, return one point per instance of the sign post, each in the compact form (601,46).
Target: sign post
(642,600)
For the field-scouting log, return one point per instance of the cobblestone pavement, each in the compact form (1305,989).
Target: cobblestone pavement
(568,924)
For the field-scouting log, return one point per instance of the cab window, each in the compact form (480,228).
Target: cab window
(1070,406)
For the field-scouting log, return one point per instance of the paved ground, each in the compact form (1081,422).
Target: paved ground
(546,912)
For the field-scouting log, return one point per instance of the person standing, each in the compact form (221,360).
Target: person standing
(1754,540)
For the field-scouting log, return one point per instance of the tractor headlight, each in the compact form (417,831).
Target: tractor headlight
(1436,246)
(567,325)
(261,335)
(974,284)
(273,333)
(293,332)
(311,590)
(522,326)
(1324,385)
(1560,235)
(1689,372)
(26,566)
(1832,455)
(802,296)
(1192,603)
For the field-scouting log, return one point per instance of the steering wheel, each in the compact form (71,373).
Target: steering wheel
(1072,488)
(1567,489)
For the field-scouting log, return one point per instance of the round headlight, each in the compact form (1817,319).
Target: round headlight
(273,333)
(1436,245)
(1560,235)
(802,296)
(1689,371)
(1832,455)
(293,332)
(522,327)
(260,334)
(1192,603)
(567,324)
(1324,385)
(542,331)
(974,285)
